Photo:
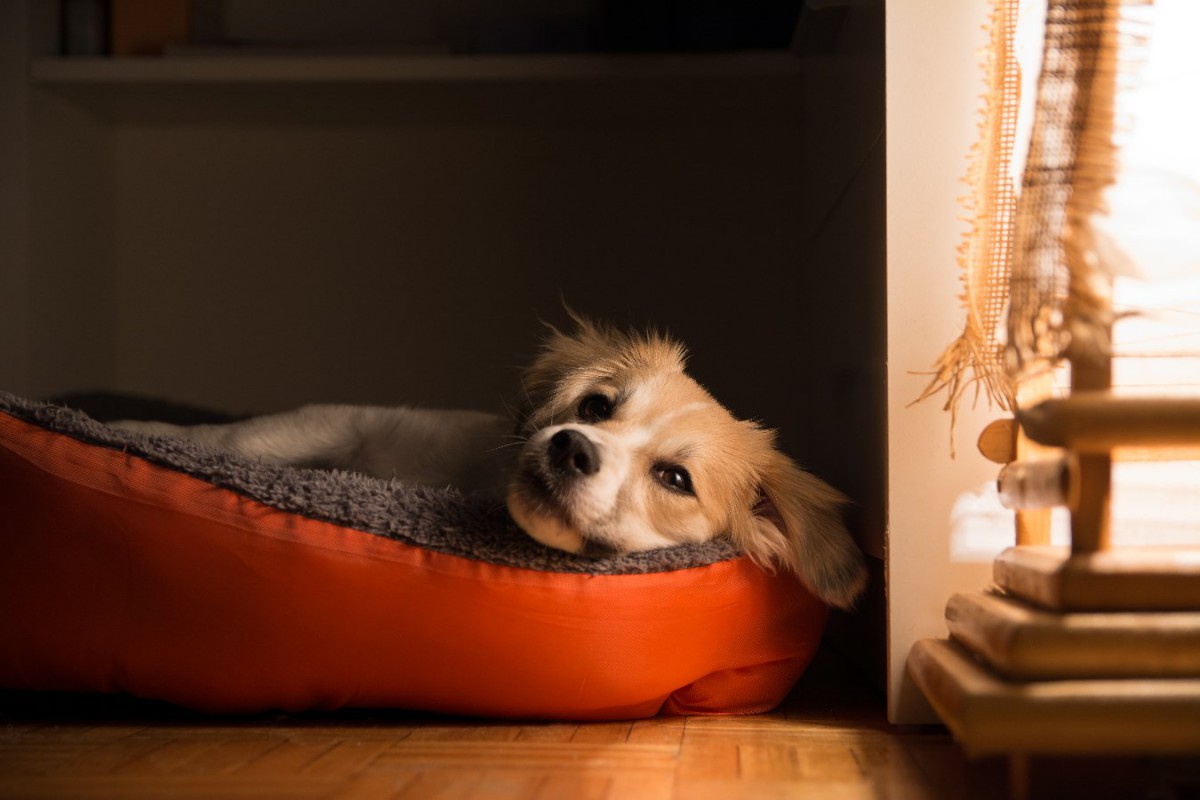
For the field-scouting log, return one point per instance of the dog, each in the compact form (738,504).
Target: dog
(614,449)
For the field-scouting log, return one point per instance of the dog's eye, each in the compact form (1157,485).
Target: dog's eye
(674,478)
(595,408)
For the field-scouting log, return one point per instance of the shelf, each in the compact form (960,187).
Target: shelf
(751,87)
(402,69)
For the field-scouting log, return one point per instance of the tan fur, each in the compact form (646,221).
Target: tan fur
(744,487)
(741,486)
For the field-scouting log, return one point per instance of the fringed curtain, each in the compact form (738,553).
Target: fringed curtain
(976,357)
(1033,255)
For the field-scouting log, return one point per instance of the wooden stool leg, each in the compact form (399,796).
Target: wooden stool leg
(1090,520)
(1018,776)
(1033,525)
(1091,516)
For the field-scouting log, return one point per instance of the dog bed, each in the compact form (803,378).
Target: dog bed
(157,567)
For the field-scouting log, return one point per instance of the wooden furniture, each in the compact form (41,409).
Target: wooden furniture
(1083,650)
(1086,649)
(1080,650)
(1091,649)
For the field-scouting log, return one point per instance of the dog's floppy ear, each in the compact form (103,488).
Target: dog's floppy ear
(796,523)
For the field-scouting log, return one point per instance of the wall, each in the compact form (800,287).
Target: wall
(313,254)
(255,247)
(933,93)
(14,197)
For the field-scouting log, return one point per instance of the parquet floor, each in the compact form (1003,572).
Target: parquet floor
(829,741)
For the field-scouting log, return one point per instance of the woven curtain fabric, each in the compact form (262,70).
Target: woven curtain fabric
(976,357)
(1059,300)
(1032,290)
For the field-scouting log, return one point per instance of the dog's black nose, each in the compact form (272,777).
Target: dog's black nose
(573,453)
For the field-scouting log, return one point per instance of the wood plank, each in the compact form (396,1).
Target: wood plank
(480,732)
(348,757)
(1128,579)
(85,733)
(575,784)
(287,757)
(744,729)
(707,759)
(37,758)
(547,732)
(786,790)
(779,761)
(466,785)
(136,787)
(228,755)
(658,730)
(507,784)
(829,761)
(442,784)
(113,755)
(1023,642)
(603,733)
(374,786)
(919,766)
(527,755)
(658,785)
(167,758)
(758,722)
(989,716)
(1100,422)
(324,730)
(775,759)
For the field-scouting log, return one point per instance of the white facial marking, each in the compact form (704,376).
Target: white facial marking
(612,505)
(641,431)
(623,504)
(595,498)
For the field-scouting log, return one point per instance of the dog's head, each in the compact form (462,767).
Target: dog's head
(625,452)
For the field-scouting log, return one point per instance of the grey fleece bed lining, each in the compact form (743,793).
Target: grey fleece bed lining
(441,520)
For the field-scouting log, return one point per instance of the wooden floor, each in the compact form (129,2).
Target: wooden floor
(829,741)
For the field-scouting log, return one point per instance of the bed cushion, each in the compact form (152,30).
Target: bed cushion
(156,567)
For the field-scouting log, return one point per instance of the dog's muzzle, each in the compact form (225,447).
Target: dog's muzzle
(571,454)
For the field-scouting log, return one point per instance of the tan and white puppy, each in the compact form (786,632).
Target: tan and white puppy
(618,450)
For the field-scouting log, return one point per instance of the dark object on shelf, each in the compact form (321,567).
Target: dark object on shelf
(85,28)
(668,25)
(147,27)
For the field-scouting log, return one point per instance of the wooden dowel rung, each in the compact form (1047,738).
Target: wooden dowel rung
(998,441)
(1099,422)
(1044,483)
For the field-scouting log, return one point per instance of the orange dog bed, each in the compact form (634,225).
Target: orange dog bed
(150,566)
